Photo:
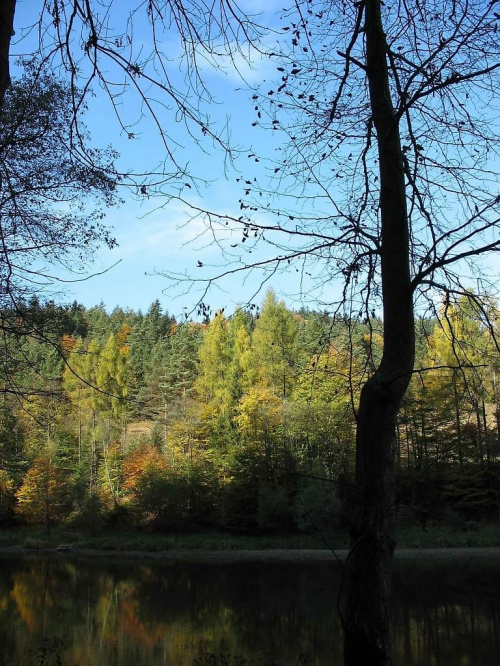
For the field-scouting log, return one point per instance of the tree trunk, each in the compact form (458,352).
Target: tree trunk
(7,9)
(372,531)
(368,572)
(458,425)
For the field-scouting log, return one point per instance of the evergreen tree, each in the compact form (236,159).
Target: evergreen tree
(98,323)
(13,461)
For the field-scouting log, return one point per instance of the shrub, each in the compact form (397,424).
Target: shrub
(317,505)
(274,508)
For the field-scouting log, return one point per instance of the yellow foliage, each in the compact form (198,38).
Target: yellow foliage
(260,411)
(43,494)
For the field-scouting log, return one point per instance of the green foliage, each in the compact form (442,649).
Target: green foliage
(111,377)
(90,514)
(317,506)
(220,657)
(57,189)
(274,508)
(149,332)
(473,493)
(48,653)
(170,369)
(274,346)
(12,453)
(154,490)
(241,420)
(7,497)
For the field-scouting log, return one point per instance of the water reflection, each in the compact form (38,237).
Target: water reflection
(447,613)
(134,613)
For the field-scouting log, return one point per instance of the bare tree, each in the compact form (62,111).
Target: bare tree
(53,196)
(147,60)
(119,54)
(54,191)
(387,179)
(386,184)
(49,170)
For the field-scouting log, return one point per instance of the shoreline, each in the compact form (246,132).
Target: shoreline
(269,555)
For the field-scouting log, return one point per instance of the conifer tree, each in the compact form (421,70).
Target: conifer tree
(212,384)
(43,497)
(274,345)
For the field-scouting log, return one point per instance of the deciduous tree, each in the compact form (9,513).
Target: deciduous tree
(387,178)
(43,497)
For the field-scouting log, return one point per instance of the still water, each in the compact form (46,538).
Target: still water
(107,612)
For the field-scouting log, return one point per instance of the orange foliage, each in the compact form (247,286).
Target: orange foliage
(123,335)
(141,461)
(32,591)
(67,344)
(42,496)
(147,635)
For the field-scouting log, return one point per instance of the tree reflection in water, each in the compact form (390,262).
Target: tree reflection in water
(136,614)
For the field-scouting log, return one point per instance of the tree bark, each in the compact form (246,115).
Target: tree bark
(7,9)
(369,566)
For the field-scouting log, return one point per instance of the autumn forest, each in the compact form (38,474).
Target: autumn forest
(244,423)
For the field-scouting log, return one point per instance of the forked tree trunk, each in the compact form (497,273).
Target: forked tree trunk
(368,583)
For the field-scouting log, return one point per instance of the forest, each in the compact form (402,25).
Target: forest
(242,423)
(365,167)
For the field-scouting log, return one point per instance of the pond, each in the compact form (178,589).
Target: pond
(145,613)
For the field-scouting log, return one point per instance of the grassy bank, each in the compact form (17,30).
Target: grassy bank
(435,536)
(136,540)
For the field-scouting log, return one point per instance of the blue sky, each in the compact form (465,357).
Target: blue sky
(153,237)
